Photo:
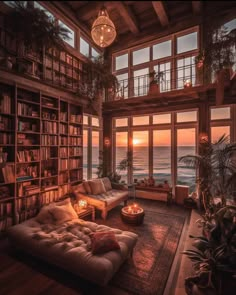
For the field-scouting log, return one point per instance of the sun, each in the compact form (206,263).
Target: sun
(136,141)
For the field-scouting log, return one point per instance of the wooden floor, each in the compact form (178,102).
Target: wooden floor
(21,274)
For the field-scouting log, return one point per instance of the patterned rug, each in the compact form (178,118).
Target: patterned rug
(148,271)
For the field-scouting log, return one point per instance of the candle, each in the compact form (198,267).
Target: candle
(82,203)
(129,209)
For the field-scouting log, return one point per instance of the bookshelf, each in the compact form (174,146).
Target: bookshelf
(40,151)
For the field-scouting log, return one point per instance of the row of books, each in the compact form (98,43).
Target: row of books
(49,196)
(75,163)
(75,141)
(27,172)
(63,178)
(6,123)
(27,203)
(27,126)
(47,153)
(27,188)
(63,164)
(63,152)
(6,209)
(49,139)
(5,223)
(6,138)
(24,109)
(28,155)
(4,192)
(49,115)
(76,118)
(63,116)
(63,128)
(8,172)
(75,151)
(73,130)
(75,175)
(49,102)
(49,127)
(5,104)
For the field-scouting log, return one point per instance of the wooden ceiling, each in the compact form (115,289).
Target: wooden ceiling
(135,20)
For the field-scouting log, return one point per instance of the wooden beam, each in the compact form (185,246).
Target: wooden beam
(197,7)
(161,12)
(127,15)
(89,11)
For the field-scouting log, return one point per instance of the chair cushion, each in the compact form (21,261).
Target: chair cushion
(107,183)
(97,186)
(102,242)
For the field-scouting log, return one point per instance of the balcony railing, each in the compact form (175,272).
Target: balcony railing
(174,79)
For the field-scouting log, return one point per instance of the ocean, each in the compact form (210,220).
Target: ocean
(161,164)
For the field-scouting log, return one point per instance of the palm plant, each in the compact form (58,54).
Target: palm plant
(214,257)
(217,169)
(34,27)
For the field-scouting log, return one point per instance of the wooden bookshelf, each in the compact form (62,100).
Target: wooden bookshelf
(40,151)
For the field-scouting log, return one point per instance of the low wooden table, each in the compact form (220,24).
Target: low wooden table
(89,210)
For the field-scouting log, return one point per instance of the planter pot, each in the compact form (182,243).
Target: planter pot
(154,88)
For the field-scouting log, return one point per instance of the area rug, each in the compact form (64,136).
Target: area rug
(148,271)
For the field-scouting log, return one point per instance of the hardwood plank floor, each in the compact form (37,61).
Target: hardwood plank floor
(21,274)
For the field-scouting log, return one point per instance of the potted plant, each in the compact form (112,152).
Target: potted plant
(217,57)
(214,257)
(155,79)
(217,170)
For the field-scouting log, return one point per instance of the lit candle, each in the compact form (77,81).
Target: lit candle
(129,209)
(82,203)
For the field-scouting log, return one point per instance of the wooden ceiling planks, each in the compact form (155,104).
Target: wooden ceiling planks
(161,12)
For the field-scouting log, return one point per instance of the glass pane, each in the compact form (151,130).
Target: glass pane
(121,152)
(162,156)
(220,113)
(95,153)
(95,53)
(123,86)
(217,132)
(121,122)
(140,155)
(187,117)
(187,42)
(85,154)
(84,47)
(229,26)
(186,70)
(71,34)
(141,82)
(186,145)
(162,49)
(144,120)
(95,121)
(162,119)
(165,84)
(121,62)
(141,56)
(85,120)
(37,5)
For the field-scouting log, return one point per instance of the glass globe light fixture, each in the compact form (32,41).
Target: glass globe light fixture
(103,30)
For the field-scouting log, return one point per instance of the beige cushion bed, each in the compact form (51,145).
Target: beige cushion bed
(68,244)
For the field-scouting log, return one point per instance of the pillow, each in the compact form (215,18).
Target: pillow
(44,215)
(97,186)
(79,188)
(87,187)
(63,213)
(103,242)
(107,183)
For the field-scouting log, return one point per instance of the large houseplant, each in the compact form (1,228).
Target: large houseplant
(214,256)
(217,170)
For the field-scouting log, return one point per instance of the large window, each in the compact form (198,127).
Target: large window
(91,146)
(71,34)
(121,153)
(140,155)
(186,145)
(173,55)
(156,141)
(162,156)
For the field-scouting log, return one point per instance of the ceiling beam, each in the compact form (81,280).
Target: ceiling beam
(197,7)
(161,12)
(86,12)
(128,16)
